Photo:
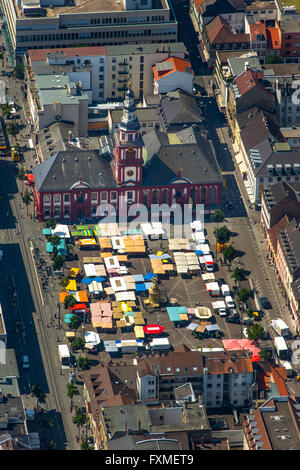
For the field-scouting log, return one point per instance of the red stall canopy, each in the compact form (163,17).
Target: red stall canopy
(153,329)
(79,307)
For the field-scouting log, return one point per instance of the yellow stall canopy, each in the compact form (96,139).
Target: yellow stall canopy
(74,272)
(70,334)
(139,332)
(72,285)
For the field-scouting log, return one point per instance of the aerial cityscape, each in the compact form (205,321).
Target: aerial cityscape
(150,227)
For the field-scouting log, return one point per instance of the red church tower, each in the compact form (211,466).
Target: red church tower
(129,145)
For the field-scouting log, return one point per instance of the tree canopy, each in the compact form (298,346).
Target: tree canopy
(255,332)
(243,295)
(222,234)
(229,253)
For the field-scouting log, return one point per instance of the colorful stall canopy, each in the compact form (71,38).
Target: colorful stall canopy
(46,231)
(74,272)
(153,329)
(81,296)
(72,285)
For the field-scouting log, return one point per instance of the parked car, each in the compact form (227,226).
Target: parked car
(265,303)
(25,362)
(248,321)
(233,319)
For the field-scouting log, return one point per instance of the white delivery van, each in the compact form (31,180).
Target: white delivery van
(209,262)
(213,288)
(225,290)
(160,343)
(64,355)
(220,306)
(281,348)
(229,301)
(280,327)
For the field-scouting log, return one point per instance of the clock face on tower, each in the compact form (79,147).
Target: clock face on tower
(130,149)
(130,173)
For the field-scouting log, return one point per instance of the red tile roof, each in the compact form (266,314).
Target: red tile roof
(273,35)
(41,54)
(174,64)
(266,373)
(218,32)
(256,29)
(247,81)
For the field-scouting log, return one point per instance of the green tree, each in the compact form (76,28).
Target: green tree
(84,363)
(243,295)
(50,223)
(72,391)
(6,110)
(238,274)
(22,176)
(58,262)
(218,216)
(80,418)
(64,282)
(38,393)
(69,301)
(55,241)
(85,445)
(222,234)
(229,253)
(52,445)
(274,59)
(78,344)
(75,322)
(255,331)
(27,200)
(19,71)
(13,130)
(265,354)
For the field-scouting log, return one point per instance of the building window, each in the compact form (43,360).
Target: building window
(129,195)
(47,199)
(94,198)
(56,198)
(113,196)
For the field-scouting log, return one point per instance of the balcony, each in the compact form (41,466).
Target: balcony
(123,80)
(124,72)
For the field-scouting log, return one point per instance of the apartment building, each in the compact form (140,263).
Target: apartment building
(224,378)
(59,23)
(287,109)
(54,98)
(273,426)
(288,265)
(105,71)
(261,11)
(279,199)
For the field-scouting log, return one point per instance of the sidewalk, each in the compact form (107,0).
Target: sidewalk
(254,217)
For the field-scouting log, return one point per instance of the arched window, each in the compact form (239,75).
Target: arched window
(213,193)
(164,196)
(203,195)
(193,194)
(155,196)
(145,198)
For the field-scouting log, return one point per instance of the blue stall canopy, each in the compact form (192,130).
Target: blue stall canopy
(173,314)
(87,280)
(149,276)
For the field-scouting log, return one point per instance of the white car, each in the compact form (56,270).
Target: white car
(229,301)
(25,362)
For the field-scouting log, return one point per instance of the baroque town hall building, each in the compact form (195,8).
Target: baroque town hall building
(151,170)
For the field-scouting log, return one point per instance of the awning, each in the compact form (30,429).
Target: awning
(87,280)
(149,276)
(153,329)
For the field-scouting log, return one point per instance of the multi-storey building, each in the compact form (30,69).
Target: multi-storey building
(105,71)
(57,24)
(273,426)
(288,265)
(221,378)
(72,184)
(287,106)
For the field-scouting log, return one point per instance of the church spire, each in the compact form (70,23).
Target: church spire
(129,122)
